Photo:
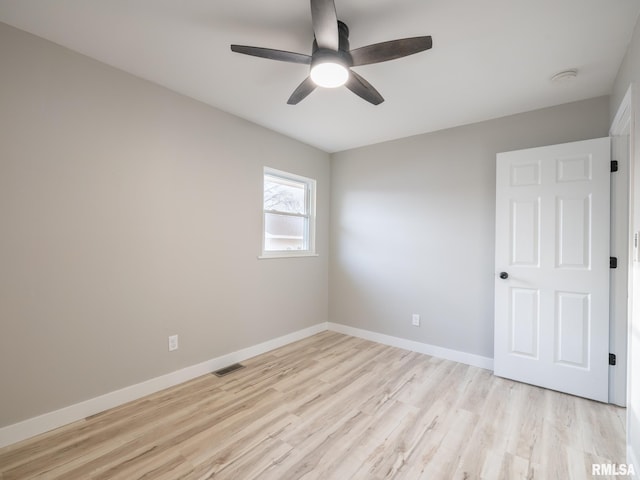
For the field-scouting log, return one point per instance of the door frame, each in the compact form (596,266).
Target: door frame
(626,119)
(620,279)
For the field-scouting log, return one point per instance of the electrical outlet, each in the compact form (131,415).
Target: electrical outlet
(415,320)
(173,343)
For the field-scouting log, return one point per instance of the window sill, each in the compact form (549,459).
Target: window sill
(268,256)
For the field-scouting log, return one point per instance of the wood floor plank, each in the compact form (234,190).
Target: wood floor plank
(334,407)
(315,451)
(253,463)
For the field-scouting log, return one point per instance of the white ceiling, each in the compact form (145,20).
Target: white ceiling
(490,58)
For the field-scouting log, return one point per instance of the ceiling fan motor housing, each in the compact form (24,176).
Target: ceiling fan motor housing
(342,56)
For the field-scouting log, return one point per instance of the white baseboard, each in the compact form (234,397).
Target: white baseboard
(49,421)
(433,350)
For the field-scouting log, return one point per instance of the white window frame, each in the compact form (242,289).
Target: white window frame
(309,215)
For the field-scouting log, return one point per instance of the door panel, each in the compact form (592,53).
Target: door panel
(525,243)
(572,329)
(525,321)
(552,239)
(573,232)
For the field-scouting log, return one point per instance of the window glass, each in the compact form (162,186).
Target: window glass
(284,196)
(288,214)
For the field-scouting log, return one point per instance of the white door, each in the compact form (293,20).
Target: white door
(552,267)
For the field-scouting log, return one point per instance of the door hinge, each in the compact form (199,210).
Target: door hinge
(614,166)
(613,262)
(612,359)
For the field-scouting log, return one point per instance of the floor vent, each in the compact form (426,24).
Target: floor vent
(227,370)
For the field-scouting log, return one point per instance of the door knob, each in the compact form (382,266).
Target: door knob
(504,275)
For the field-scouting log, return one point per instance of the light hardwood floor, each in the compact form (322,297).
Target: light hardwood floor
(334,407)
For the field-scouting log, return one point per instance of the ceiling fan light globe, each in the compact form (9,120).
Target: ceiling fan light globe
(329,74)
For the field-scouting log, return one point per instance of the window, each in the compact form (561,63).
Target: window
(288,215)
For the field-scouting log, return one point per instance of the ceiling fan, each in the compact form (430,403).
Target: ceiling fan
(331,59)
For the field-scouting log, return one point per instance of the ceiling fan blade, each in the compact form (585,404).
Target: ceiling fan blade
(300,93)
(325,23)
(363,89)
(272,54)
(381,52)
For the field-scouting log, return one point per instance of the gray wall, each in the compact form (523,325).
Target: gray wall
(129,213)
(412,225)
(629,71)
